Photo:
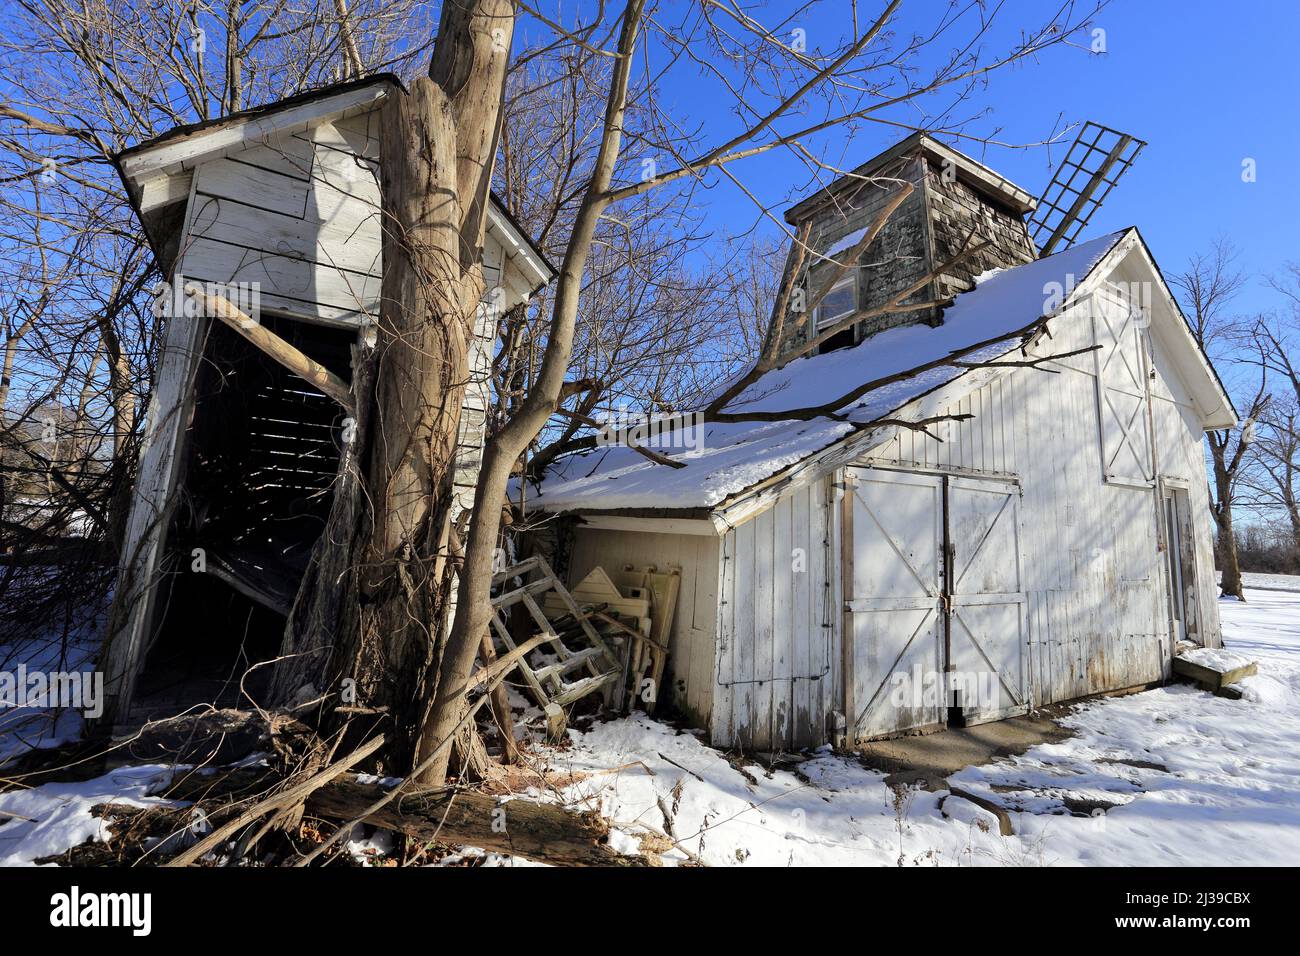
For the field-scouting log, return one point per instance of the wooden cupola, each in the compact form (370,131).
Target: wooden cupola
(954,200)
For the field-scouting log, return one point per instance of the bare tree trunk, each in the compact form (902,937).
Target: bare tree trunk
(84,440)
(12,341)
(424,331)
(473,606)
(384,611)
(1222,510)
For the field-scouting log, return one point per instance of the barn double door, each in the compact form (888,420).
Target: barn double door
(935,610)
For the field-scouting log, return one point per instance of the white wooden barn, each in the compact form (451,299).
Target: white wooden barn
(240,453)
(1053,545)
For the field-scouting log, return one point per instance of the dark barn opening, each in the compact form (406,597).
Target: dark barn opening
(261,456)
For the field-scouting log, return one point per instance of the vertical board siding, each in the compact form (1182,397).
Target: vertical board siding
(780,672)
(979,444)
(743,639)
(722,728)
(1097,604)
(798,655)
(778,625)
(298,214)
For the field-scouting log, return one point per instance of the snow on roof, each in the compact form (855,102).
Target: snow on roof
(729,458)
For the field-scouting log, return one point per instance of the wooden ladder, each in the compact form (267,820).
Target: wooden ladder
(552,683)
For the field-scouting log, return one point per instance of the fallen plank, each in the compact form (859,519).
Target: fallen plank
(300,364)
(535,831)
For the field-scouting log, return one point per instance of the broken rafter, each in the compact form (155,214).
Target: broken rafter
(294,359)
(776,329)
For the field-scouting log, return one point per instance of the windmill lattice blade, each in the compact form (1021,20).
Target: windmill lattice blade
(1095,162)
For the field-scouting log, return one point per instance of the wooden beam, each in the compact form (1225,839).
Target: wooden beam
(296,361)
(152,503)
(1097,178)
(535,831)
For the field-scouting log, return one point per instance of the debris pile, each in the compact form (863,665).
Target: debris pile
(608,635)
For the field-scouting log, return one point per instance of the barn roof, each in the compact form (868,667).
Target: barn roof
(895,367)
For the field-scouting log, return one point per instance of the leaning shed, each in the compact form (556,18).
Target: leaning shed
(274,211)
(847,575)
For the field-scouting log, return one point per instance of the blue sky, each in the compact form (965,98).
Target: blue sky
(1206,85)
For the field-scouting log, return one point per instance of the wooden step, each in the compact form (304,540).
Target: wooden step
(1214,670)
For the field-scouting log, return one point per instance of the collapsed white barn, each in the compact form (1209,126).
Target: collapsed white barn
(240,454)
(1054,544)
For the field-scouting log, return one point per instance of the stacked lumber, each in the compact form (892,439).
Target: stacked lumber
(649,659)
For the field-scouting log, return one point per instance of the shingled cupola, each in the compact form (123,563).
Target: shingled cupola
(953,198)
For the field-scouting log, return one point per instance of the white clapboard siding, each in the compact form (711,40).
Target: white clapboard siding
(691,662)
(297,216)
(778,624)
(347,175)
(288,236)
(473,415)
(357,135)
(286,155)
(365,124)
(304,281)
(253,185)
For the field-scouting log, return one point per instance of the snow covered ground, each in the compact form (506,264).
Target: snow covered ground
(47,820)
(1172,776)
(1188,778)
(26,723)
(1270,582)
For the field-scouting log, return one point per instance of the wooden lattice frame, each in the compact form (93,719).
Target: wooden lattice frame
(546,684)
